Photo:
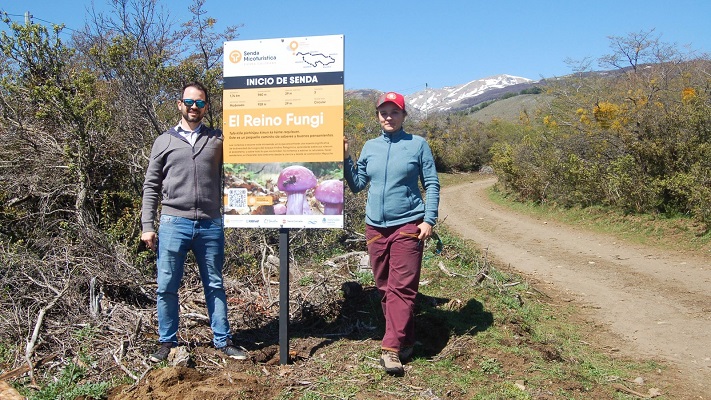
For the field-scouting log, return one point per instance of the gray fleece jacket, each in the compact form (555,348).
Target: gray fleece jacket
(185,179)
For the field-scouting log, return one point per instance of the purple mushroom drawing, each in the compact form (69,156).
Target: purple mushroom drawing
(295,181)
(279,209)
(330,194)
(307,207)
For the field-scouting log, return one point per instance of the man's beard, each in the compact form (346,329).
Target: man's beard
(191,118)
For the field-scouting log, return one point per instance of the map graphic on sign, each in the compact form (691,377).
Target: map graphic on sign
(314,58)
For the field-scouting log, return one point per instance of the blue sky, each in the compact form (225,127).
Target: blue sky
(404,45)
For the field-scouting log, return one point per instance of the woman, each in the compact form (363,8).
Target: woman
(398,220)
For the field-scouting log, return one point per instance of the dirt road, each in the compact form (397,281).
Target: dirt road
(658,302)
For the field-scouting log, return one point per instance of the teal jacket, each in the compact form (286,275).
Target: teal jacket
(393,164)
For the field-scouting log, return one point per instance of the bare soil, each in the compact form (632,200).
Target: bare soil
(649,302)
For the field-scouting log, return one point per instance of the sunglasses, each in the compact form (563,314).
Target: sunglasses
(190,102)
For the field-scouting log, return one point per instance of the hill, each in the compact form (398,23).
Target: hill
(465,96)
(510,109)
(460,97)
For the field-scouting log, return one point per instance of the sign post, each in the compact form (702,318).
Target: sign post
(283,296)
(283,148)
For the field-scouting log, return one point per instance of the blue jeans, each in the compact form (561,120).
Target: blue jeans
(206,238)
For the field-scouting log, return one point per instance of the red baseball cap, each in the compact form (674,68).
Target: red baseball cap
(396,98)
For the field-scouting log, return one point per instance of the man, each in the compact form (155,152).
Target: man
(184,175)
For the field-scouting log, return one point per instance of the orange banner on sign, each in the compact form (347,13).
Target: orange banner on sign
(284,134)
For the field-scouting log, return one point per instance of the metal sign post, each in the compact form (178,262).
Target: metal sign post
(283,296)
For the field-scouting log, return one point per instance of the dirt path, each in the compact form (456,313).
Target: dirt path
(657,302)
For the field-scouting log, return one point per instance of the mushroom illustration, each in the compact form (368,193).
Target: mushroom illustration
(279,209)
(307,207)
(295,181)
(330,194)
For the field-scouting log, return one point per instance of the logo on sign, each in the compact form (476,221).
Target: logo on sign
(235,56)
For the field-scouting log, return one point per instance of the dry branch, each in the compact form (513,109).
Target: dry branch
(23,369)
(30,347)
(333,262)
(121,350)
(624,389)
(448,272)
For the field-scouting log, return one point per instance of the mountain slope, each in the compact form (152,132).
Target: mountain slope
(457,98)
(512,108)
(454,98)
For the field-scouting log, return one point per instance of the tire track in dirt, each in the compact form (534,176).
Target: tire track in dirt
(658,302)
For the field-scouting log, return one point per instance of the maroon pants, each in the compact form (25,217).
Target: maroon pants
(396,259)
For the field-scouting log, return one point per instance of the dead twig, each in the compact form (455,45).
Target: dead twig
(197,316)
(137,329)
(94,299)
(264,264)
(332,262)
(450,273)
(624,389)
(32,342)
(17,372)
(128,372)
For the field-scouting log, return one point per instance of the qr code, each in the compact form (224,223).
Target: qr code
(237,198)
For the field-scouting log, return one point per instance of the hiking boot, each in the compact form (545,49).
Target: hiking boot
(406,352)
(391,363)
(233,352)
(162,353)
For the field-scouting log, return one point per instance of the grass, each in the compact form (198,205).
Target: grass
(453,179)
(69,386)
(660,231)
(497,339)
(510,333)
(501,339)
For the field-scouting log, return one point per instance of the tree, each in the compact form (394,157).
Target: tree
(135,50)
(77,120)
(204,55)
(53,121)
(638,49)
(56,161)
(635,138)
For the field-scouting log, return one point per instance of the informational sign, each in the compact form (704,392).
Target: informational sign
(283,127)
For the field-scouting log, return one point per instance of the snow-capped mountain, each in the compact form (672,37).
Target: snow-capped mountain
(454,98)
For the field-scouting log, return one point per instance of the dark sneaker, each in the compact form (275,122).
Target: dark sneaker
(391,363)
(233,352)
(405,353)
(162,353)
